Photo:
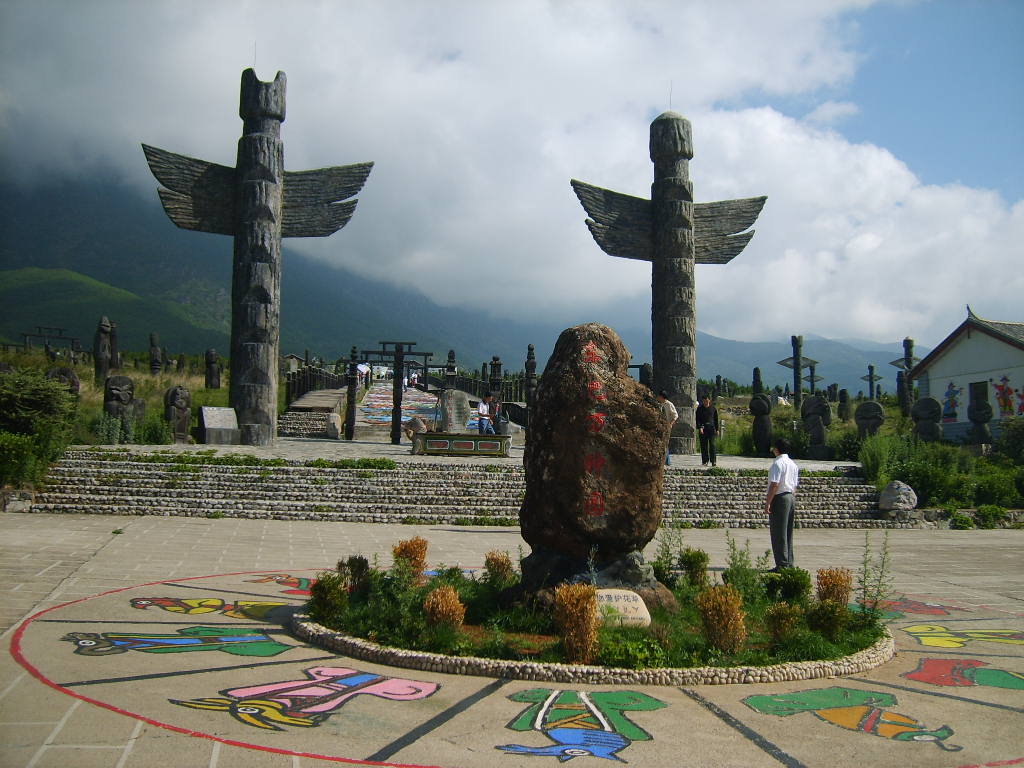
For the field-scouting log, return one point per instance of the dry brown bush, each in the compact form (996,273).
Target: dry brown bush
(721,613)
(414,552)
(577,618)
(835,584)
(442,606)
(782,620)
(498,568)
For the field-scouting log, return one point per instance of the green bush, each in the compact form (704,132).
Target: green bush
(845,444)
(694,563)
(1010,443)
(42,409)
(990,516)
(18,463)
(828,618)
(791,585)
(629,648)
(960,522)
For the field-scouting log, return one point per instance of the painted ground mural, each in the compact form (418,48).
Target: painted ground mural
(211,657)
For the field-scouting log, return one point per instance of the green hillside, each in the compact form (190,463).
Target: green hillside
(65,299)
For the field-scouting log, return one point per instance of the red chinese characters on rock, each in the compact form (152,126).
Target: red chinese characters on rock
(594,463)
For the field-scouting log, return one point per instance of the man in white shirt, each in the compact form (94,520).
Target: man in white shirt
(668,410)
(783,478)
(483,414)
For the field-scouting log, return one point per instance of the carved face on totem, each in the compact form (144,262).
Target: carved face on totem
(118,392)
(178,398)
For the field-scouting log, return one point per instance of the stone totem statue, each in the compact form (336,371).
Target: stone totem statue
(761,407)
(178,412)
(66,375)
(927,416)
(817,415)
(180,364)
(101,351)
(869,417)
(258,203)
(758,385)
(673,233)
(156,355)
(119,401)
(212,369)
(979,412)
(594,469)
(844,405)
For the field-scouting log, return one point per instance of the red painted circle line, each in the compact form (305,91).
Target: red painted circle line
(16,652)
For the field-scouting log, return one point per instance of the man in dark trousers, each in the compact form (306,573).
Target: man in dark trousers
(707,427)
(783,478)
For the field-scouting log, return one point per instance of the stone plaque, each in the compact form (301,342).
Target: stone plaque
(622,608)
(219,426)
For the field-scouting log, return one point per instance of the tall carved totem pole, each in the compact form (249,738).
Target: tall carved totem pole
(673,233)
(258,203)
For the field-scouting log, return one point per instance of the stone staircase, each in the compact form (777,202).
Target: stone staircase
(122,483)
(302,424)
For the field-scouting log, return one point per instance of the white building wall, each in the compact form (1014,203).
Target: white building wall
(978,357)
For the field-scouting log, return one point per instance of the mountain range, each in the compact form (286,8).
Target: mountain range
(75,250)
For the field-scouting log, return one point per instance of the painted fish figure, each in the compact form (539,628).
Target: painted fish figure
(224,639)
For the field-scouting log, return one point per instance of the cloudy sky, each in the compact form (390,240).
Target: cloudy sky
(886,135)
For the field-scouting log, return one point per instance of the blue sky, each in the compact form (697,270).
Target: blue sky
(886,136)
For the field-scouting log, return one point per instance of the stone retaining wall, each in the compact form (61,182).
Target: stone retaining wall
(880,652)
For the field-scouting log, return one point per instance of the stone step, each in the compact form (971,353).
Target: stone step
(117,483)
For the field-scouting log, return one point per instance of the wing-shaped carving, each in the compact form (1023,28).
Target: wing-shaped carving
(716,225)
(199,195)
(621,224)
(311,207)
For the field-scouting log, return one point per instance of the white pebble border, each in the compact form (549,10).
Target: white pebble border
(879,653)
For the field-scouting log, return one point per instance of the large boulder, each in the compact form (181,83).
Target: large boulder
(897,496)
(595,461)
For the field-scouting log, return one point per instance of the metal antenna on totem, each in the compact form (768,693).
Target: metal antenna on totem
(673,233)
(257,202)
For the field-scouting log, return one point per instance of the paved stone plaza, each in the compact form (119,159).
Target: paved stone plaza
(99,614)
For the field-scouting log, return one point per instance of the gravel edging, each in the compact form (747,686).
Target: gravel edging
(877,654)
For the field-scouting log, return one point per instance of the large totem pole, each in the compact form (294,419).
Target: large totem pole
(258,203)
(673,233)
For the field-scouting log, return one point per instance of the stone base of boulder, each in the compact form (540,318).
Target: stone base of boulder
(543,570)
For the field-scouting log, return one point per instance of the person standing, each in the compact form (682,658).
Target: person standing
(783,478)
(707,428)
(483,412)
(670,413)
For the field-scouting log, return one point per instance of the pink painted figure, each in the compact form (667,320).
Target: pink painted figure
(307,703)
(1004,396)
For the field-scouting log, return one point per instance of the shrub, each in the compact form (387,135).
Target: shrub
(783,621)
(829,618)
(18,463)
(414,552)
(960,522)
(874,582)
(792,585)
(629,648)
(442,606)
(37,407)
(835,584)
(328,596)
(742,573)
(694,563)
(990,516)
(721,614)
(498,569)
(845,444)
(1010,443)
(576,616)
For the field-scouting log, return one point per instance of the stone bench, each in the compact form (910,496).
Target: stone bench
(458,444)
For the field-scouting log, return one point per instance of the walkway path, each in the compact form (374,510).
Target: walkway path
(101,615)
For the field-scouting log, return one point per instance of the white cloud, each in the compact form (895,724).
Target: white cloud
(832,112)
(478,114)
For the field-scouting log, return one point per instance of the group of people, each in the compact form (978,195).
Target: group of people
(783,477)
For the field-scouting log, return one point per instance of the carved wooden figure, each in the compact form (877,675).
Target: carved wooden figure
(673,233)
(258,203)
